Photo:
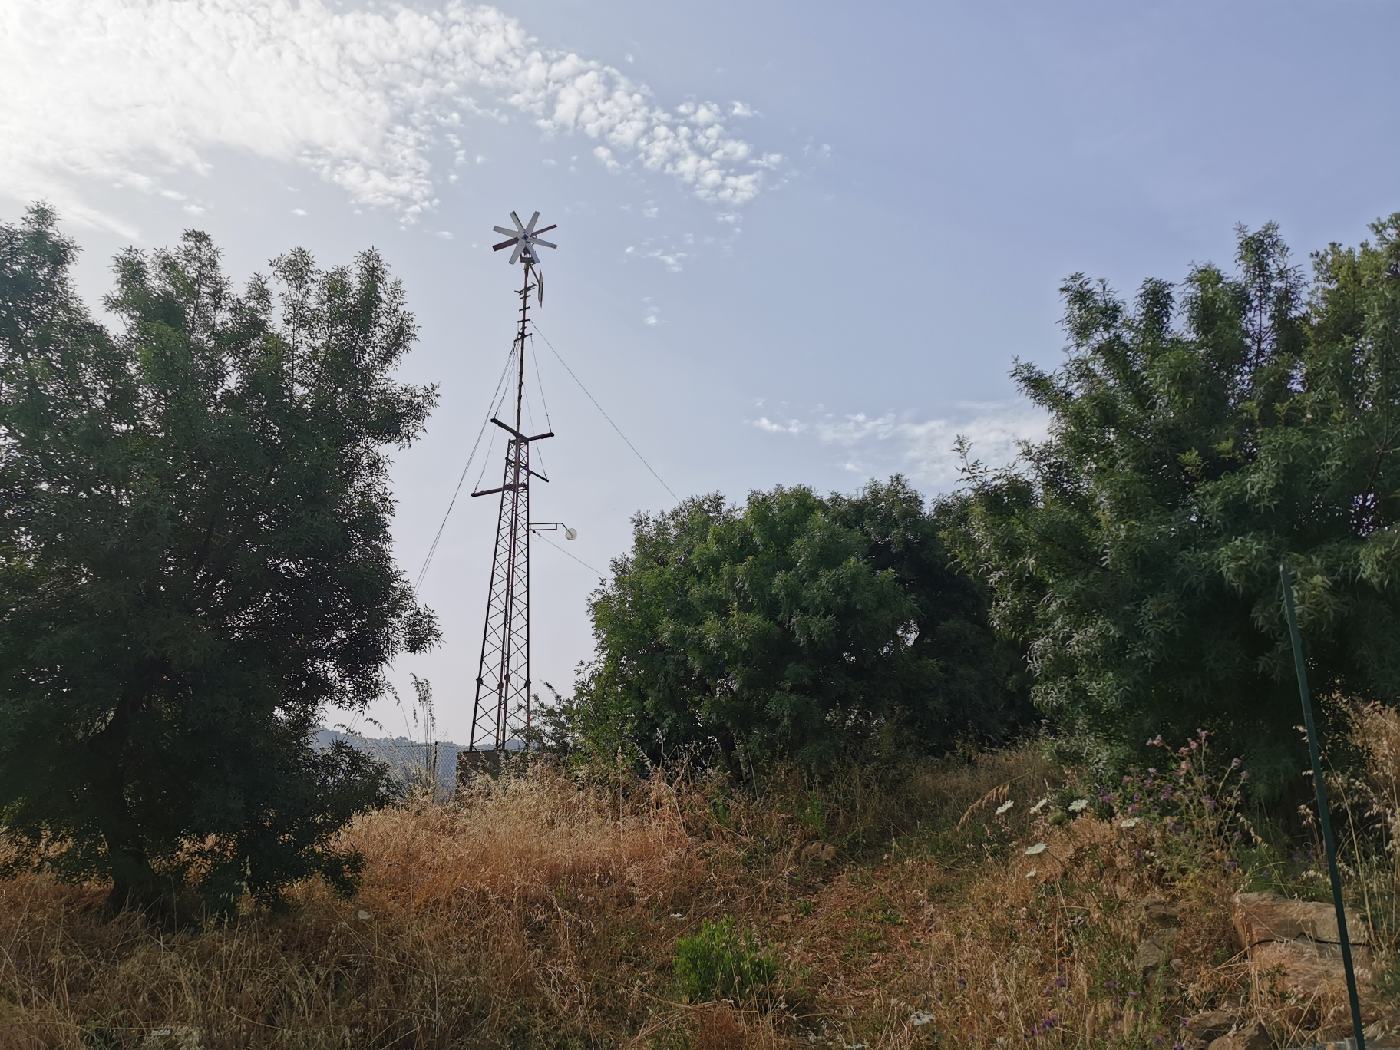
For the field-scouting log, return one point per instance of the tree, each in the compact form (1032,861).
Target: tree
(195,561)
(1197,437)
(798,627)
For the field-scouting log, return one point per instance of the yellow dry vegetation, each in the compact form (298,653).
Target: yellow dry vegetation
(543,910)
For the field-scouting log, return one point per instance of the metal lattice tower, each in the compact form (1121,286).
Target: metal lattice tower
(501,710)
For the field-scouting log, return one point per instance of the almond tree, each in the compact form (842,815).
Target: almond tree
(1198,436)
(194,561)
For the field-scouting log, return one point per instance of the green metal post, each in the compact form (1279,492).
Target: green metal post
(1322,812)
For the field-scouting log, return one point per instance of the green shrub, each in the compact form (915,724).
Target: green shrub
(796,628)
(719,962)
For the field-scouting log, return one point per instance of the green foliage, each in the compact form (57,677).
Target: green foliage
(195,560)
(798,627)
(719,962)
(1198,436)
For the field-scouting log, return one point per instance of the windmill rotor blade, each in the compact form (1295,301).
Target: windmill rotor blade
(525,239)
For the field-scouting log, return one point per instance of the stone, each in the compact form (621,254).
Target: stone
(1249,1037)
(1209,1025)
(1261,917)
(1295,963)
(1304,983)
(1154,951)
(1160,912)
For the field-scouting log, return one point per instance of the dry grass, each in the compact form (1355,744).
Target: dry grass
(1369,799)
(542,912)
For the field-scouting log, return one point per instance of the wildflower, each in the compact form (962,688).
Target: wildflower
(1005,806)
(1079,805)
(1036,850)
(1131,822)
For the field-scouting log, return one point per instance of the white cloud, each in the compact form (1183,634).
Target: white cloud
(921,448)
(791,426)
(606,158)
(674,261)
(139,92)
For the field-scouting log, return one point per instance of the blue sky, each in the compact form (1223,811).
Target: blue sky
(829,289)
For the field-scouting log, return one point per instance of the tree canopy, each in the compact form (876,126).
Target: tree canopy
(1199,435)
(797,627)
(195,560)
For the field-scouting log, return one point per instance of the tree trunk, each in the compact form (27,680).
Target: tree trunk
(135,884)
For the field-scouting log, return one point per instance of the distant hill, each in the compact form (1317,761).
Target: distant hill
(406,758)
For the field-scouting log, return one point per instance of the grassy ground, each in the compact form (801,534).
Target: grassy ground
(909,910)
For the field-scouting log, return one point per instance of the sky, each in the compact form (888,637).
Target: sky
(799,242)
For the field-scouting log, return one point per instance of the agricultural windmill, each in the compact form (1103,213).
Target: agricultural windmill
(501,708)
